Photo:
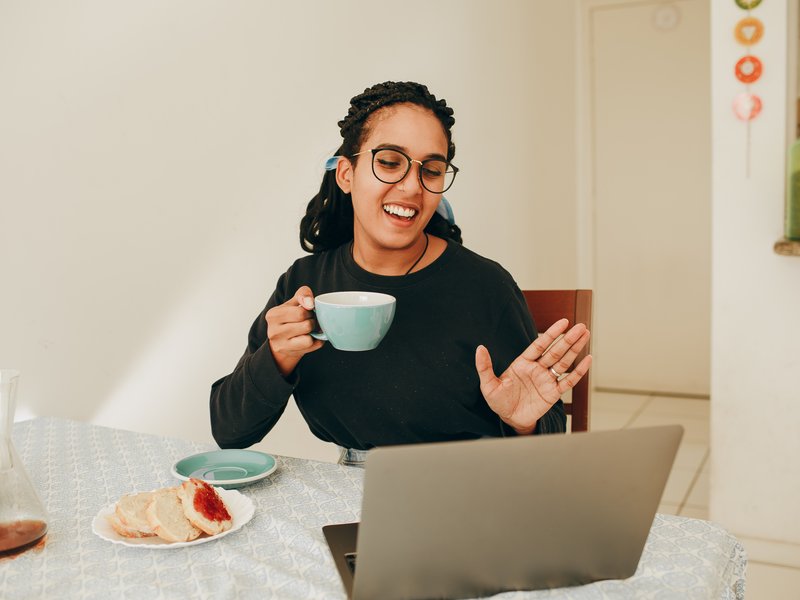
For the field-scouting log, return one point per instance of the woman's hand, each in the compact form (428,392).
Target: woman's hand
(288,328)
(528,388)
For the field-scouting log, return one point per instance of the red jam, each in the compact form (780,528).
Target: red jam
(209,504)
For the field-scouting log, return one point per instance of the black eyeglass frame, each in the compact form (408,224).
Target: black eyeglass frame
(409,160)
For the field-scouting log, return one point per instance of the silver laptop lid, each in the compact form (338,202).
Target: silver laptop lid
(464,519)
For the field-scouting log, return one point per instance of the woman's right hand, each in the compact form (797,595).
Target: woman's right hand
(288,329)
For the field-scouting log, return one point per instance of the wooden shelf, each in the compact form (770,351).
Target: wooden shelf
(787,247)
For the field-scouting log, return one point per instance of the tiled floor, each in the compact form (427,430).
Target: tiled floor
(687,488)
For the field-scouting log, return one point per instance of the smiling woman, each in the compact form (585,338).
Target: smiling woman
(380,223)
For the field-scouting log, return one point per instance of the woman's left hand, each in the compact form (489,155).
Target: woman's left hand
(528,388)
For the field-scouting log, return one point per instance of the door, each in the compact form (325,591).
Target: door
(648,99)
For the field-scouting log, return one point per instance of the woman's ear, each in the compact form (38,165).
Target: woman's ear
(344,174)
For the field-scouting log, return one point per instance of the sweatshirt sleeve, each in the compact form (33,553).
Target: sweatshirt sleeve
(246,404)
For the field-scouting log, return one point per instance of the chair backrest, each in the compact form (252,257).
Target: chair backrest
(547,307)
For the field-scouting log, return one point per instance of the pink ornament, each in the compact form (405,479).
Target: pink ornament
(746,106)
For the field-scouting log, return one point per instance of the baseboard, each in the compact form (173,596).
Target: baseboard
(690,396)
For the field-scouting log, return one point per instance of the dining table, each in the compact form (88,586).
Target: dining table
(80,468)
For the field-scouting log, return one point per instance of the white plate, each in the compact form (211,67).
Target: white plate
(239,506)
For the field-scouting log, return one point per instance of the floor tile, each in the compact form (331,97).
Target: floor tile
(616,402)
(678,486)
(602,420)
(678,406)
(698,495)
(695,429)
(694,512)
(769,582)
(668,508)
(691,456)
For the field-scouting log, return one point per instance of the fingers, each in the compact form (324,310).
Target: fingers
(571,380)
(483,364)
(545,340)
(295,310)
(562,352)
(292,336)
(563,364)
(289,325)
(302,297)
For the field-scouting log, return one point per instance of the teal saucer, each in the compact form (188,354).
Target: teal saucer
(226,468)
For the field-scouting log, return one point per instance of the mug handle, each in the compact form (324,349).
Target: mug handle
(318,335)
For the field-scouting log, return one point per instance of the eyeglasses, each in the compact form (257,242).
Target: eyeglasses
(391,166)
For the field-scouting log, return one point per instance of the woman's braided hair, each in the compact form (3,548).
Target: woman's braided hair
(328,222)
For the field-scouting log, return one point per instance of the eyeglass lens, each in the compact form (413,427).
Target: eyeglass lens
(390,166)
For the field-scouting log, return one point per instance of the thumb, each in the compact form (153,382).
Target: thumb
(304,297)
(483,364)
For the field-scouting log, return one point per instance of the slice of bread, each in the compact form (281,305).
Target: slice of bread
(204,507)
(166,517)
(125,531)
(131,517)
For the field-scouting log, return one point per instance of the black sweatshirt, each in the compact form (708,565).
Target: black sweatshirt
(419,385)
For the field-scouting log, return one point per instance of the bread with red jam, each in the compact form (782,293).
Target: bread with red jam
(204,507)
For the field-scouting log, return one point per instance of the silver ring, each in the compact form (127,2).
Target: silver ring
(556,374)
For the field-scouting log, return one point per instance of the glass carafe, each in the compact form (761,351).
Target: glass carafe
(23,520)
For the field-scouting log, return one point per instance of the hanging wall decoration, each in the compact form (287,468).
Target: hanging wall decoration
(748,69)
(747,4)
(747,105)
(749,31)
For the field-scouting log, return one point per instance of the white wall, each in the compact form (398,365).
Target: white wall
(755,407)
(156,157)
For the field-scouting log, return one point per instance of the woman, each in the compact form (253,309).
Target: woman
(374,226)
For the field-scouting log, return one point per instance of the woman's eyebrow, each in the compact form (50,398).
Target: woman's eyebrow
(404,149)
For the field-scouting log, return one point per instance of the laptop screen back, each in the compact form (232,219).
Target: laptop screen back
(463,519)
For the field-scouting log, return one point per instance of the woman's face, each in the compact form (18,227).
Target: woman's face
(393,216)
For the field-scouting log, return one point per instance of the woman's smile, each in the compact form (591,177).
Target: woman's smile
(400,213)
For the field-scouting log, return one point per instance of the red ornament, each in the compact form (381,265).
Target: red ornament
(748,69)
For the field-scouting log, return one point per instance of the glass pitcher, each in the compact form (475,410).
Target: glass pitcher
(23,520)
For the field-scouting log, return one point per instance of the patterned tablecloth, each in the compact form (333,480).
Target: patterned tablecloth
(80,468)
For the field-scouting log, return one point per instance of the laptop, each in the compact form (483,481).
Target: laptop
(474,518)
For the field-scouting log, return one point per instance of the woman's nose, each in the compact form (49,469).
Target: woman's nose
(412,181)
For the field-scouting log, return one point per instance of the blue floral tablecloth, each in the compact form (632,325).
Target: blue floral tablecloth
(79,469)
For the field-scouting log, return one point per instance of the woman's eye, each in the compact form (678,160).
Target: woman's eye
(388,164)
(429,171)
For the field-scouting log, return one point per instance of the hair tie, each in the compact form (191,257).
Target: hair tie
(446,211)
(330,164)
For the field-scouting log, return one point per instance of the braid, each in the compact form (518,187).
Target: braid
(388,93)
(328,221)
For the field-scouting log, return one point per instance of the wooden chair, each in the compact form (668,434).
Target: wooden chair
(547,307)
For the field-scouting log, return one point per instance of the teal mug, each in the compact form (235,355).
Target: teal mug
(353,320)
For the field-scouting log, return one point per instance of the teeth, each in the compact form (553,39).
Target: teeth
(400,211)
